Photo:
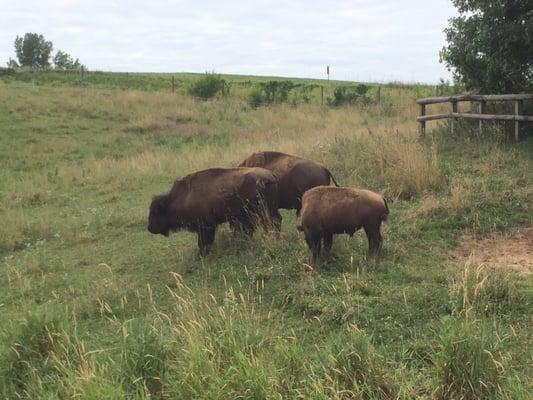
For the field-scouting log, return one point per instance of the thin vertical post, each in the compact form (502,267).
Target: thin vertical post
(517,111)
(455,109)
(173,84)
(422,124)
(322,95)
(482,107)
(437,90)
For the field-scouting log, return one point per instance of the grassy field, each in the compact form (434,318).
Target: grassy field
(92,306)
(305,91)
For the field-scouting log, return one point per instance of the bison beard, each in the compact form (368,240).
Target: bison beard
(201,201)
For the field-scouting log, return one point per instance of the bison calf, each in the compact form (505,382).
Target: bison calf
(330,210)
(201,201)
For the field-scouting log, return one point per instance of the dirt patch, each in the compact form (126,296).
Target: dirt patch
(511,250)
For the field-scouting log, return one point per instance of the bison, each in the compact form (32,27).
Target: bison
(201,201)
(296,175)
(330,210)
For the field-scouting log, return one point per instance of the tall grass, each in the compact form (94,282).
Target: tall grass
(480,291)
(471,362)
(395,164)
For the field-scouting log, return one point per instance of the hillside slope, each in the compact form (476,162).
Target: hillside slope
(94,306)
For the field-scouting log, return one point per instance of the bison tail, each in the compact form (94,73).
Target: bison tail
(332,178)
(385,214)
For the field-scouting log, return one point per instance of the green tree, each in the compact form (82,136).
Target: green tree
(12,63)
(33,50)
(63,61)
(490,45)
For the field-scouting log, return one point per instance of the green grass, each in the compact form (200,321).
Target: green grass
(93,306)
(306,90)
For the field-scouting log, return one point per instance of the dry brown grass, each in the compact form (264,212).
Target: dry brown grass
(386,137)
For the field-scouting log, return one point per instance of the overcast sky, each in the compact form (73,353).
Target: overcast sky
(362,40)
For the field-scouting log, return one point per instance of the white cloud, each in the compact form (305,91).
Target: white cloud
(360,39)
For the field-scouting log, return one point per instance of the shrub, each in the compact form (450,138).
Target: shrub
(270,92)
(348,95)
(209,86)
(255,98)
(277,91)
(7,71)
(470,362)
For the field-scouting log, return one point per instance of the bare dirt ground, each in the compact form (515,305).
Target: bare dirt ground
(511,250)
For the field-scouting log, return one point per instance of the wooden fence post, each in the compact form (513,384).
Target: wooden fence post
(482,107)
(454,110)
(173,84)
(422,124)
(517,110)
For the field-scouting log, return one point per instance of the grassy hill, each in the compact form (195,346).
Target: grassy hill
(239,85)
(93,306)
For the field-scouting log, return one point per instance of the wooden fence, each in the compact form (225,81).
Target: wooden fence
(482,100)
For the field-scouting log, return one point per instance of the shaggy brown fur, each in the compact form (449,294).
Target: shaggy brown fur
(202,200)
(296,175)
(329,210)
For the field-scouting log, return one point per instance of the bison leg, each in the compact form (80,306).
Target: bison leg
(314,243)
(328,242)
(206,237)
(276,219)
(375,240)
(243,225)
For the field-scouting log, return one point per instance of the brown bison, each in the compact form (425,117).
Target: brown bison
(329,210)
(202,200)
(296,175)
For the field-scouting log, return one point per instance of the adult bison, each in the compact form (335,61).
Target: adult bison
(296,175)
(202,200)
(329,210)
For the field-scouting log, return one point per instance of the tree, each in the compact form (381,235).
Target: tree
(12,63)
(63,61)
(490,45)
(33,50)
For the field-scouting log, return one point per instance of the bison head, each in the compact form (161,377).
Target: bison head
(158,220)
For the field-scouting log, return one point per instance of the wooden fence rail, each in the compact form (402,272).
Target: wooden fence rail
(482,100)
